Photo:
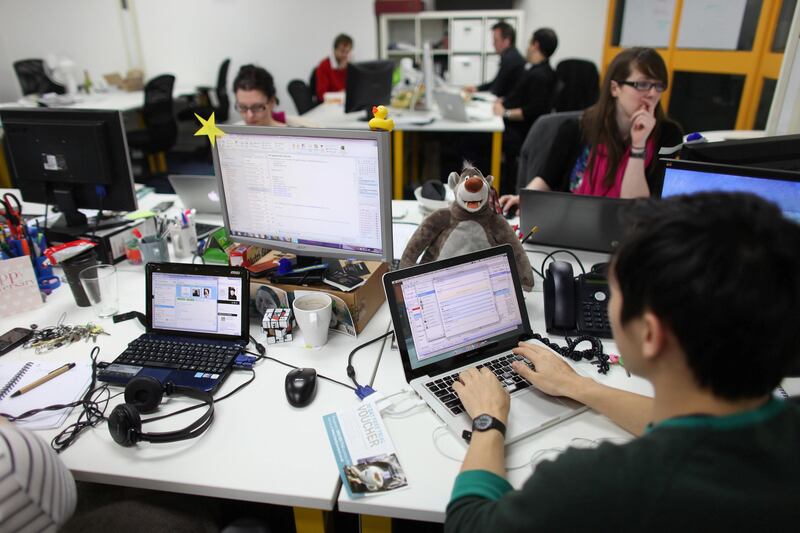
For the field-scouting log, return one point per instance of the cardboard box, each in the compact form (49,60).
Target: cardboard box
(363,302)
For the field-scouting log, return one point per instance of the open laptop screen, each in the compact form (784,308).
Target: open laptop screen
(779,187)
(450,311)
(191,303)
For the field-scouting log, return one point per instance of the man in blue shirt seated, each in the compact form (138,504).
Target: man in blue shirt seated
(705,300)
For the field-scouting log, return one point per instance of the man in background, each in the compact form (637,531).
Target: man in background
(511,62)
(331,73)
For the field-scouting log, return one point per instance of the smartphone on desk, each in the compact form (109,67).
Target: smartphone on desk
(576,305)
(13,338)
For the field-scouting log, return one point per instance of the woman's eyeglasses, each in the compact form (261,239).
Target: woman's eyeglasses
(644,86)
(255,108)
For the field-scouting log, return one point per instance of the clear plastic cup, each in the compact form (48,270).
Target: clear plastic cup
(100,284)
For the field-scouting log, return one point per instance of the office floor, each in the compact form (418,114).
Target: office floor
(103,508)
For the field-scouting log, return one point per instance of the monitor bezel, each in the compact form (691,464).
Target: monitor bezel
(384,190)
(733,170)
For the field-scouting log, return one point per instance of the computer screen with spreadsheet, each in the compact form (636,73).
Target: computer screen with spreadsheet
(314,192)
(458,309)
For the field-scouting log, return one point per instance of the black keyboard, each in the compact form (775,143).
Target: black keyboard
(501,366)
(205,357)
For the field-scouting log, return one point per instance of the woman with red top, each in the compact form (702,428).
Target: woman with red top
(612,149)
(331,73)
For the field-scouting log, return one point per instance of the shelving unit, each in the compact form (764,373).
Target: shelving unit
(461,40)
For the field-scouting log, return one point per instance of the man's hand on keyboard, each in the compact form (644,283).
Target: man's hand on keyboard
(550,373)
(481,392)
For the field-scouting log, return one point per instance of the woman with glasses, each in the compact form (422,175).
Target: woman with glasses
(612,149)
(254,88)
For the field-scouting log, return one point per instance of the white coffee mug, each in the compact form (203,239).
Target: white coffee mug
(313,314)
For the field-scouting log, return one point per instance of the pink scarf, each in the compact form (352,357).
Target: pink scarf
(593,185)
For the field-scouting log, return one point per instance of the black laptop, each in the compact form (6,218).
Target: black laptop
(198,322)
(568,220)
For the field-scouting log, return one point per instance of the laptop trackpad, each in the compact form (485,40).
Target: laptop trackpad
(533,408)
(160,374)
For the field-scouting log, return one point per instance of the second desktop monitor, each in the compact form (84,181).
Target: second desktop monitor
(313,192)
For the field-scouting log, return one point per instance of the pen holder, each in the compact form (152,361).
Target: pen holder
(184,241)
(154,249)
(72,268)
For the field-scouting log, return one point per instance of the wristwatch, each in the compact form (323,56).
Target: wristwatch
(486,422)
(638,153)
(507,113)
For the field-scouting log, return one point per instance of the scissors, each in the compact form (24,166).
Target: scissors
(15,222)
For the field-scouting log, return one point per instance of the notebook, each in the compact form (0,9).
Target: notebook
(567,220)
(65,388)
(198,322)
(463,312)
(197,192)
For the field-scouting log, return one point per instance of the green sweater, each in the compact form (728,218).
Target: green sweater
(734,473)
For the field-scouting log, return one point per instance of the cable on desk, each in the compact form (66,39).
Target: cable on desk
(292,366)
(570,351)
(93,413)
(554,252)
(216,400)
(362,391)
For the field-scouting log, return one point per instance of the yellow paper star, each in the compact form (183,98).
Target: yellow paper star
(209,128)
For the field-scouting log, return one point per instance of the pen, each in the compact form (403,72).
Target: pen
(44,379)
(530,233)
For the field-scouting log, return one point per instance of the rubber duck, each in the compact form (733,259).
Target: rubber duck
(379,120)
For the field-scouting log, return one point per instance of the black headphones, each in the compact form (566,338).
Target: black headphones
(143,395)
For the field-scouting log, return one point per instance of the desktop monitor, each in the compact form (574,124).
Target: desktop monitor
(70,158)
(779,152)
(688,177)
(312,192)
(368,84)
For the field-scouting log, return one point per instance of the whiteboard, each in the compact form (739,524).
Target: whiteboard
(711,24)
(647,23)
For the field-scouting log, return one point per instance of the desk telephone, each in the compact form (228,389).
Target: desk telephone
(576,305)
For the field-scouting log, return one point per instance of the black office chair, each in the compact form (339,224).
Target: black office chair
(581,84)
(537,144)
(301,95)
(33,78)
(161,128)
(202,103)
(312,85)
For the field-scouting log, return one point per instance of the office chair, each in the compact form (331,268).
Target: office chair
(33,78)
(161,128)
(301,96)
(581,84)
(203,104)
(312,86)
(537,144)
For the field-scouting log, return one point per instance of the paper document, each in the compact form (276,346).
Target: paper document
(65,388)
(363,450)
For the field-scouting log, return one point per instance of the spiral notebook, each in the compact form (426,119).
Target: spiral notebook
(65,388)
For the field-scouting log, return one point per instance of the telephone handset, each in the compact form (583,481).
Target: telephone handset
(574,306)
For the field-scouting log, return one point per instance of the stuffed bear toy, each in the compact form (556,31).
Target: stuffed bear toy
(468,225)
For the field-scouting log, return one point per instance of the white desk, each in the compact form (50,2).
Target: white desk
(333,116)
(258,448)
(114,100)
(431,474)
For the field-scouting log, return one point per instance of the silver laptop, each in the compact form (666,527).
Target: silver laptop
(453,107)
(463,312)
(197,192)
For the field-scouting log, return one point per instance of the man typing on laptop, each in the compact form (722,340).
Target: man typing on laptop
(708,315)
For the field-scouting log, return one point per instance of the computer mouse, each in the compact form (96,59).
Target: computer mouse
(301,386)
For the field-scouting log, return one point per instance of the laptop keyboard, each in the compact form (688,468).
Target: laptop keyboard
(501,366)
(208,358)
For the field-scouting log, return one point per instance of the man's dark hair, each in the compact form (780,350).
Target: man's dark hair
(547,39)
(506,31)
(253,78)
(342,38)
(722,270)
